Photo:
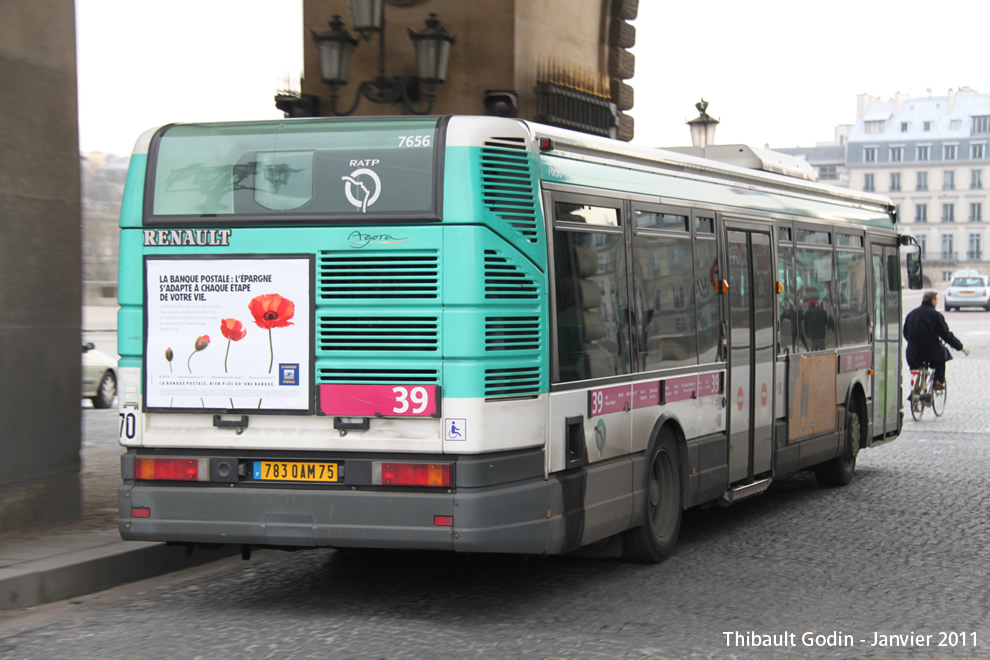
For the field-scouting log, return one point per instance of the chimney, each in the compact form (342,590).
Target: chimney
(899,98)
(863,102)
(951,99)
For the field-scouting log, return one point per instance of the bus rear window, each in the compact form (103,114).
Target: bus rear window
(293,170)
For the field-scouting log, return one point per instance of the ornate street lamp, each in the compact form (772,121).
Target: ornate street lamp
(432,46)
(702,127)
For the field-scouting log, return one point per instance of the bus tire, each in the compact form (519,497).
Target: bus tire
(655,539)
(839,471)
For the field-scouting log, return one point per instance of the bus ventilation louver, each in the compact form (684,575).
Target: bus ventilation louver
(513,381)
(512,333)
(504,280)
(394,333)
(508,189)
(392,276)
(379,376)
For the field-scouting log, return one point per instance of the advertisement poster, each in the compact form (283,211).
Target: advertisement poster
(228,334)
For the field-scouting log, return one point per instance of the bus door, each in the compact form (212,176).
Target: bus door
(886,338)
(751,360)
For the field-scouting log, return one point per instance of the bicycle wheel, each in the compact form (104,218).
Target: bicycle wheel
(938,400)
(917,407)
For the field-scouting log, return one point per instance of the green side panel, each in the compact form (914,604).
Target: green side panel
(132,205)
(496,185)
(496,326)
(673,189)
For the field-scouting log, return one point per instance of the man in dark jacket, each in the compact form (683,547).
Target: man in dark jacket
(925,330)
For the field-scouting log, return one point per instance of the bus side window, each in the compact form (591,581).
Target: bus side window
(591,305)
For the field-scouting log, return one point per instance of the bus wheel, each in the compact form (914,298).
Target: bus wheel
(839,471)
(655,539)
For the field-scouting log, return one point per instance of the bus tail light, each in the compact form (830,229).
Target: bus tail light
(435,475)
(147,468)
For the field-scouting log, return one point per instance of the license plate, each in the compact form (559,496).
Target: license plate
(967,293)
(294,471)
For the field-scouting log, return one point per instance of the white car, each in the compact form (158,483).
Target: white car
(967,289)
(99,376)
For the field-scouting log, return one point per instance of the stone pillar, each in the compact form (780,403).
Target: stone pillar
(40,334)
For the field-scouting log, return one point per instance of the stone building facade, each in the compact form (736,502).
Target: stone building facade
(931,156)
(572,49)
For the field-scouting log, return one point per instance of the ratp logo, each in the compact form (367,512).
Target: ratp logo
(362,188)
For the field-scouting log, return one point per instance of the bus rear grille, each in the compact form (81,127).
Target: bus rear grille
(516,381)
(383,276)
(504,280)
(512,333)
(507,184)
(379,376)
(392,333)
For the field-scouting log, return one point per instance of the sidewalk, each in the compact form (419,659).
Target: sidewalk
(45,565)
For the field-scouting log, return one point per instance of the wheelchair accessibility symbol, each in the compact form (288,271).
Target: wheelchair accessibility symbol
(455,428)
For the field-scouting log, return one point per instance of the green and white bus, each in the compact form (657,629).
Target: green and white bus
(482,334)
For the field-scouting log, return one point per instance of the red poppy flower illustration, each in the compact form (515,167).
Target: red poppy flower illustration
(270,310)
(201,343)
(233,330)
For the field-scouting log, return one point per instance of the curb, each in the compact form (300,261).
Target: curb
(90,570)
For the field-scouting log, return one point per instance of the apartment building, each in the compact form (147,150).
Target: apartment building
(930,156)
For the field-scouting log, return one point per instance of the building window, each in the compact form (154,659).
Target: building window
(868,183)
(975,250)
(953,124)
(948,212)
(895,182)
(976,151)
(975,179)
(870,155)
(874,127)
(904,126)
(976,212)
(896,154)
(922,181)
(948,249)
(923,152)
(923,244)
(827,172)
(949,152)
(921,213)
(948,180)
(981,125)
(926,126)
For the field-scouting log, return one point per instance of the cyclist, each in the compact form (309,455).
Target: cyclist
(925,329)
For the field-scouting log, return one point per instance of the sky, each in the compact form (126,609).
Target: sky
(775,72)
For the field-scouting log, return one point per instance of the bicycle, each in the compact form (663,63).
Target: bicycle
(924,394)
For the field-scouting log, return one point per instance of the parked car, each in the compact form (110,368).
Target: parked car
(967,289)
(99,376)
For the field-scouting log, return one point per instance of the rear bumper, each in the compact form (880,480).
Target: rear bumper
(512,516)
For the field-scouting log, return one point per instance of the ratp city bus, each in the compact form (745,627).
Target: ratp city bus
(482,334)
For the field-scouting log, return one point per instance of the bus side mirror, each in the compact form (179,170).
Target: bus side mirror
(914,270)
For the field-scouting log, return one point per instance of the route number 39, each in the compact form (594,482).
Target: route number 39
(415,400)
(597,402)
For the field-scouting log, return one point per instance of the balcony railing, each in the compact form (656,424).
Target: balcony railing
(974,255)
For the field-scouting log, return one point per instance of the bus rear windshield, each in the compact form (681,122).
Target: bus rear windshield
(293,169)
